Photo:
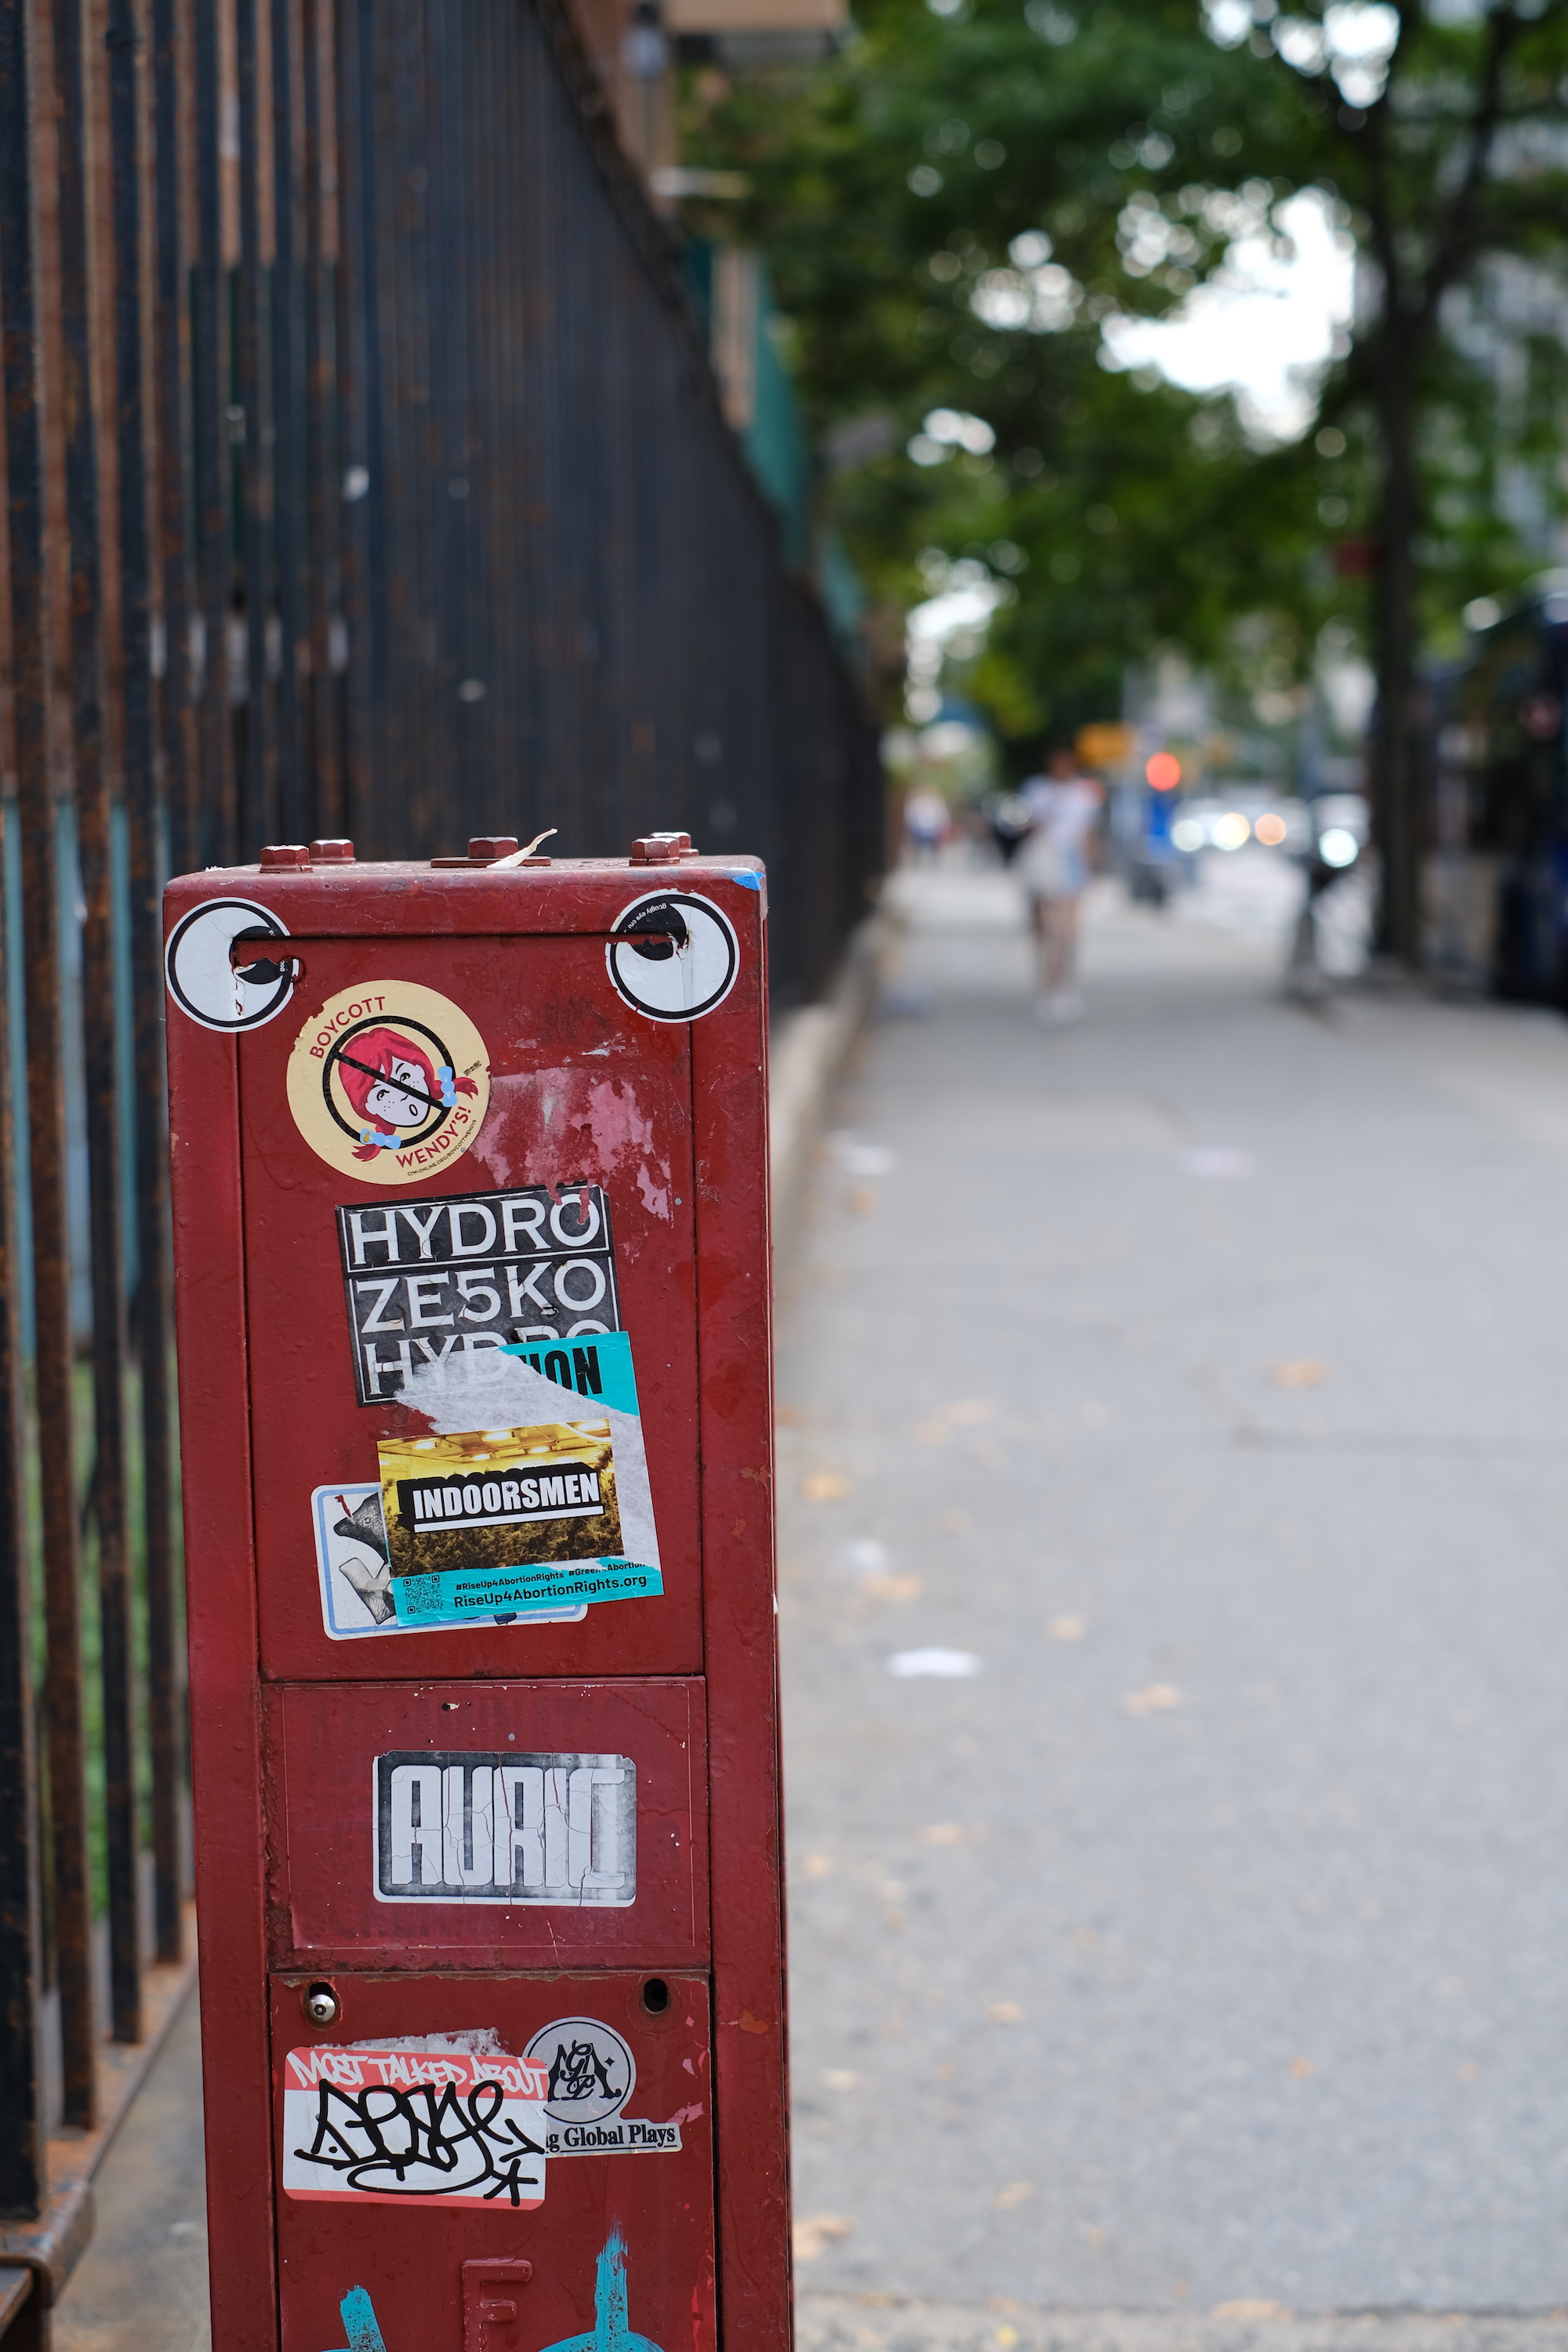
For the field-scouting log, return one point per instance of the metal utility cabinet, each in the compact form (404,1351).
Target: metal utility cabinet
(471,1227)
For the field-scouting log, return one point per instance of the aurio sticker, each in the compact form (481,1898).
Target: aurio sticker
(505,1827)
(590,2075)
(673,956)
(389,1082)
(448,2119)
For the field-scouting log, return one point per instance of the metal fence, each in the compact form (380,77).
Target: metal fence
(364,475)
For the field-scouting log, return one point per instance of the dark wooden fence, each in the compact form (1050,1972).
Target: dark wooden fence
(364,474)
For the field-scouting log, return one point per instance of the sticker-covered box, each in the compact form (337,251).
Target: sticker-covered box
(469,1166)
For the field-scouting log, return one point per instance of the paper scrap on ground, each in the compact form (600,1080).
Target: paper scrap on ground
(952,1665)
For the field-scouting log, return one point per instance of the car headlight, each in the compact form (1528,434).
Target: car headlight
(1339,847)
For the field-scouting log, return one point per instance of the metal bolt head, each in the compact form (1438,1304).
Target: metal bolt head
(320,2005)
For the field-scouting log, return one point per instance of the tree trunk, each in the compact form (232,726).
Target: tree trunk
(1394,769)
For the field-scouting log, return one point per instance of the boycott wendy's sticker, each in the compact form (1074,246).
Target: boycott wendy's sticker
(389,1082)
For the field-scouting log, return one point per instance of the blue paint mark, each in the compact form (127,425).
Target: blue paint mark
(611,2331)
(358,2318)
(748,881)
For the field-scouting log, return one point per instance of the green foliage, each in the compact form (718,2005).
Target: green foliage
(953,206)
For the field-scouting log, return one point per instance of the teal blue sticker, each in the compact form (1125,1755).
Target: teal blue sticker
(462,1596)
(358,2314)
(599,1368)
(612,2330)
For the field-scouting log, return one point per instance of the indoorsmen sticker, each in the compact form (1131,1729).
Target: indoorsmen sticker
(389,1082)
(505,1827)
(589,2075)
(428,1279)
(446,2118)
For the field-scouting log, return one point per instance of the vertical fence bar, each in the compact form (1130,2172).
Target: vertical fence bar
(258,799)
(46,1083)
(21,1956)
(100,1063)
(155,1279)
(171,390)
(364,490)
(219,830)
(284,467)
(136,734)
(321,572)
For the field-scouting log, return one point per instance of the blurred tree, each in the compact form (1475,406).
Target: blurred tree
(956,208)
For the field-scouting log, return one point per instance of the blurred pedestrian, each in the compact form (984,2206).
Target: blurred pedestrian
(927,821)
(1009,817)
(1053,866)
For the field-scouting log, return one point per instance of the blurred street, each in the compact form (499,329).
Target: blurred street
(1175,1614)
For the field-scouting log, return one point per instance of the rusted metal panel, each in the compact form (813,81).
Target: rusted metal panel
(631,2133)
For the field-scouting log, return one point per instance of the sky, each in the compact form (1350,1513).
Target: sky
(1263,324)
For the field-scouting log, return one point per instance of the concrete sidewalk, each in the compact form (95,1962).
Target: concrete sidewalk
(1193,1962)
(1195,1378)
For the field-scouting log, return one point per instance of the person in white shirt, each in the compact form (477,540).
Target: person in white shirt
(1053,865)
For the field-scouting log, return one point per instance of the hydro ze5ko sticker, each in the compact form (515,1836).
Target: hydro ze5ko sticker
(505,1827)
(389,1082)
(426,1280)
(589,2076)
(448,2119)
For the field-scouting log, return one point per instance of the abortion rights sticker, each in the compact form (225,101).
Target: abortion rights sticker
(389,1082)
(529,1518)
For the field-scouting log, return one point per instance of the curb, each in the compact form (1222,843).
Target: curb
(807,1051)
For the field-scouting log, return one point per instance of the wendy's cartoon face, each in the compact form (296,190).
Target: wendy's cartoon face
(389,1102)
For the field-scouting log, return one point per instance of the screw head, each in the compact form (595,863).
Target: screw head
(320,2005)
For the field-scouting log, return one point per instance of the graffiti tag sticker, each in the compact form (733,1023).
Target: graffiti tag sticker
(507,1827)
(590,2074)
(672,955)
(206,983)
(389,1082)
(446,2119)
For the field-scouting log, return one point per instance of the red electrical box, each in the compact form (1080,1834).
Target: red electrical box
(471,1229)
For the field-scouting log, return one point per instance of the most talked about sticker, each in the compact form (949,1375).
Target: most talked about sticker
(436,2119)
(389,1082)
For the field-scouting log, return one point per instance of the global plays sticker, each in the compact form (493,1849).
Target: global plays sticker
(389,1082)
